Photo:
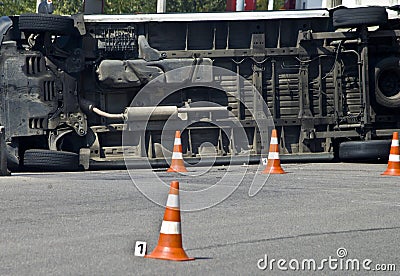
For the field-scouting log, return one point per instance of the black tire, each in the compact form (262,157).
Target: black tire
(365,150)
(369,16)
(49,160)
(387,82)
(39,23)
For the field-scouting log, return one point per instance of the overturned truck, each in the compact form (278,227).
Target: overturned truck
(330,78)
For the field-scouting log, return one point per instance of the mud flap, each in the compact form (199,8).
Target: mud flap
(84,158)
(3,154)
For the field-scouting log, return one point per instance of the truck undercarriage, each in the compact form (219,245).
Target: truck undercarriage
(330,80)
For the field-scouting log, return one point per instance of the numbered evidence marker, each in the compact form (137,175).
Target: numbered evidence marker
(265,161)
(140,248)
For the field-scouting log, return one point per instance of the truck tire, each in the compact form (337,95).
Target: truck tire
(49,160)
(39,23)
(364,150)
(354,17)
(387,82)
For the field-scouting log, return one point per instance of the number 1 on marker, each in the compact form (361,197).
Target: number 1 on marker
(140,248)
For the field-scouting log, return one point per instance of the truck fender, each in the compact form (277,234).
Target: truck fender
(5,25)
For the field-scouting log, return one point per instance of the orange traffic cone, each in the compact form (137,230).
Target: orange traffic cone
(393,167)
(177,164)
(169,245)
(274,163)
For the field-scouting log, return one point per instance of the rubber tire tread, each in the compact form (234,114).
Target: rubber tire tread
(364,150)
(354,17)
(50,160)
(38,23)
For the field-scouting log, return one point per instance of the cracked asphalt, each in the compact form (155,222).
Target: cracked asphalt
(87,223)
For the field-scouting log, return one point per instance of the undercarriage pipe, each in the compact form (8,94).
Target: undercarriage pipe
(155,112)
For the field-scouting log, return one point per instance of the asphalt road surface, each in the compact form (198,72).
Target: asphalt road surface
(87,223)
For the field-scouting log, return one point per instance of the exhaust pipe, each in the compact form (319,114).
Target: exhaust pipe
(155,113)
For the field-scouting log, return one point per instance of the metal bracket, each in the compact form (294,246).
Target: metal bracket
(78,122)
(79,23)
(258,44)
(145,51)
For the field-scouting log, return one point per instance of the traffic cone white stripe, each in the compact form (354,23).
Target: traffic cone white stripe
(394,158)
(170,227)
(177,155)
(177,141)
(274,140)
(173,201)
(395,143)
(273,155)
